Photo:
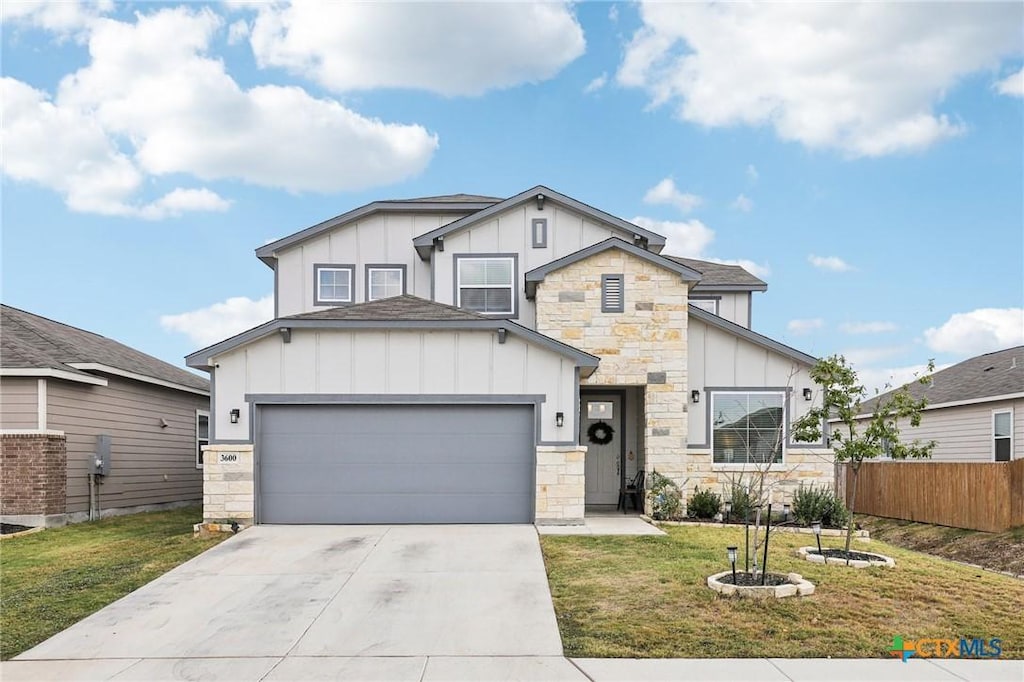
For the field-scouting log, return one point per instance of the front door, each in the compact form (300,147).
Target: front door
(601,421)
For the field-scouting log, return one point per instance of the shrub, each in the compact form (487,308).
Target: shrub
(666,498)
(819,504)
(741,501)
(704,504)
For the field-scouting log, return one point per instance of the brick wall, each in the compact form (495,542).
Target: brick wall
(33,476)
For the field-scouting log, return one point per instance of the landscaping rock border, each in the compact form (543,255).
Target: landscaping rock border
(825,532)
(809,554)
(795,587)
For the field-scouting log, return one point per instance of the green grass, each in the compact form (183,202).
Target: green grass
(648,597)
(53,579)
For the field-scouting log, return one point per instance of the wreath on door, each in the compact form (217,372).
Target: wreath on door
(600,433)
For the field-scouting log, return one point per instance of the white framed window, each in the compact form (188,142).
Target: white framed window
(708,304)
(748,427)
(202,435)
(384,281)
(486,284)
(332,284)
(1002,435)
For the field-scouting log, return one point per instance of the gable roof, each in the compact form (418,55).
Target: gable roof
(751,336)
(449,199)
(538,274)
(976,379)
(30,342)
(425,242)
(721,277)
(399,312)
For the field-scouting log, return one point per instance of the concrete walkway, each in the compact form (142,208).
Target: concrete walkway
(605,524)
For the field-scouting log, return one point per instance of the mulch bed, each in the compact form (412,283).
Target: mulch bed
(844,555)
(750,580)
(8,528)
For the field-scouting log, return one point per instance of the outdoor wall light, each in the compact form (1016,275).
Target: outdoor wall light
(695,395)
(540,202)
(502,334)
(731,552)
(235,414)
(559,419)
(816,527)
(808,394)
(286,334)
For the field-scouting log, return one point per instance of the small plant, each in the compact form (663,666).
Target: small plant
(666,498)
(704,504)
(741,501)
(812,504)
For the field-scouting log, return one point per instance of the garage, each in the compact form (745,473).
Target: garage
(398,463)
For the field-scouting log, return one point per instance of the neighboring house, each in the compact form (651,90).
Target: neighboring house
(68,395)
(452,359)
(975,409)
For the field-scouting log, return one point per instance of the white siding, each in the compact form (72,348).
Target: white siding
(393,362)
(383,238)
(719,359)
(964,432)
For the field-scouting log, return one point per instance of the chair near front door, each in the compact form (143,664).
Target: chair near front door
(601,431)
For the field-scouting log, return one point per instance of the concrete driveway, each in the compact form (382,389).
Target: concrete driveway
(327,602)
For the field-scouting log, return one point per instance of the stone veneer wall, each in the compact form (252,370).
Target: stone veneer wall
(560,484)
(229,492)
(801,466)
(33,474)
(645,345)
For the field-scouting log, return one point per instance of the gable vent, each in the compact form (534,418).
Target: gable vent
(612,294)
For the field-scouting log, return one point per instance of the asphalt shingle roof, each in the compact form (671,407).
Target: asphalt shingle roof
(449,199)
(984,376)
(29,341)
(405,307)
(719,274)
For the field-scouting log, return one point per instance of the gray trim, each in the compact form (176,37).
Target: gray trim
(790,444)
(533,277)
(213,404)
(424,242)
(576,396)
(606,306)
(233,441)
(199,359)
(619,393)
(730,288)
(433,276)
(750,311)
(456,257)
(384,266)
(752,336)
(716,299)
(317,267)
(277,292)
(539,238)
(268,252)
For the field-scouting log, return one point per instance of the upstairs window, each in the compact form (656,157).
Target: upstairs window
(1002,435)
(486,284)
(384,281)
(613,295)
(708,304)
(202,435)
(332,284)
(748,427)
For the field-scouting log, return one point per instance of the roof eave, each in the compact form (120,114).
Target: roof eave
(752,336)
(730,288)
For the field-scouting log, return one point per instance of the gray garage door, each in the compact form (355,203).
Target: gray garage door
(396,464)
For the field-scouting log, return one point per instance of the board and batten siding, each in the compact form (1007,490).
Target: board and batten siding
(149,464)
(393,362)
(19,407)
(732,306)
(382,238)
(963,433)
(718,359)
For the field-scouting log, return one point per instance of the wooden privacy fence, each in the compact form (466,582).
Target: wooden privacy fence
(986,496)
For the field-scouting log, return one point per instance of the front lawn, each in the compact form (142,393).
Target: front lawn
(53,579)
(647,597)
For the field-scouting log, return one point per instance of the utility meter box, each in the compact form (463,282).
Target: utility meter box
(100,461)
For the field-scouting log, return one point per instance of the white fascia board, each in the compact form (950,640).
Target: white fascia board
(30,432)
(107,369)
(50,372)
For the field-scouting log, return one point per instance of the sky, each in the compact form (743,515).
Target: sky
(866,160)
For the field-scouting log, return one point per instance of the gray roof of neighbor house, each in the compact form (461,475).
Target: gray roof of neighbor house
(985,376)
(448,199)
(29,341)
(405,307)
(721,277)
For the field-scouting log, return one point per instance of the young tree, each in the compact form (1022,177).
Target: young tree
(857,439)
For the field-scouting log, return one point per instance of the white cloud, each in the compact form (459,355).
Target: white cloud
(872,355)
(596,84)
(64,18)
(613,13)
(447,48)
(863,78)
(1012,85)
(881,379)
(978,331)
(831,263)
(801,327)
(152,103)
(690,238)
(219,321)
(666,192)
(743,203)
(868,327)
(238,31)
(752,173)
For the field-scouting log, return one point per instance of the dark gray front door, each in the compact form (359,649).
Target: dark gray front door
(395,464)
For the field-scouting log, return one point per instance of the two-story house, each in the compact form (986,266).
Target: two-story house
(474,359)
